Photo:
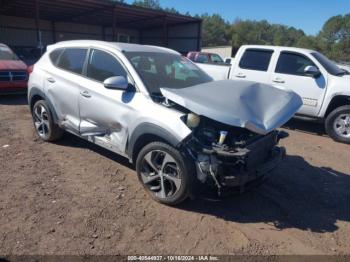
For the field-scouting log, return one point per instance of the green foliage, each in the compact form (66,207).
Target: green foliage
(215,30)
(333,40)
(153,4)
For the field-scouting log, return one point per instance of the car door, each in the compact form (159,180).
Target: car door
(254,65)
(289,74)
(62,84)
(104,113)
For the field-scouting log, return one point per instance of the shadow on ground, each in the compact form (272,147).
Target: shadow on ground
(296,195)
(309,127)
(70,140)
(15,99)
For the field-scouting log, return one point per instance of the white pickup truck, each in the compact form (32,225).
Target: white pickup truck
(323,86)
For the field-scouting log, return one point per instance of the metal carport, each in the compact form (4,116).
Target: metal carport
(37,23)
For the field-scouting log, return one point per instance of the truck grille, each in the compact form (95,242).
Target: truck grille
(13,76)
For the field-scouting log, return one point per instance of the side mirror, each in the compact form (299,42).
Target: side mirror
(312,71)
(116,82)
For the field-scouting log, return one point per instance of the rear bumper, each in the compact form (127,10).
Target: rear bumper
(245,177)
(13,87)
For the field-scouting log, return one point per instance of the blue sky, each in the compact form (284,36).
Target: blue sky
(308,15)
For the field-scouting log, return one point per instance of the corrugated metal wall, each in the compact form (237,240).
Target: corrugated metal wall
(18,31)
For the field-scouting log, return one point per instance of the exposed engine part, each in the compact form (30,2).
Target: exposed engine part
(222,137)
(237,159)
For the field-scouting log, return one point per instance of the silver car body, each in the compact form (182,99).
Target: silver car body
(115,112)
(115,119)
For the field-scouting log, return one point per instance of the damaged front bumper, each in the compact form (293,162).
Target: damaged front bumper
(240,167)
(277,154)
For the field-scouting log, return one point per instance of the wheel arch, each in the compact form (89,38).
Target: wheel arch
(37,94)
(337,101)
(146,133)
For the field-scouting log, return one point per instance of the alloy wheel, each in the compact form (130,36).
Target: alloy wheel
(160,173)
(41,121)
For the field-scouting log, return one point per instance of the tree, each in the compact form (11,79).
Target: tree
(153,4)
(335,37)
(214,30)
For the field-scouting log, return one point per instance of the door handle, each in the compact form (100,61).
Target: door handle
(241,75)
(278,80)
(51,80)
(85,94)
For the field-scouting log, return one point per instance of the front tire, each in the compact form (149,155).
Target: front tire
(44,125)
(338,124)
(165,173)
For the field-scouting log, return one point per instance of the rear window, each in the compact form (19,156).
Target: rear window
(256,59)
(54,55)
(72,59)
(7,54)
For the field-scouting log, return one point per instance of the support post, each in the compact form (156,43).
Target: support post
(114,25)
(53,28)
(199,36)
(103,33)
(37,27)
(165,31)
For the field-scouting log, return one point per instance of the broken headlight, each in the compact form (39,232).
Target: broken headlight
(192,120)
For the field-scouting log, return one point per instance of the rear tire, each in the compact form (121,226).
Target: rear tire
(44,125)
(338,124)
(165,173)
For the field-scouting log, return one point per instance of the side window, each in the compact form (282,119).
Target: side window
(102,65)
(216,58)
(54,55)
(201,58)
(254,59)
(292,64)
(72,59)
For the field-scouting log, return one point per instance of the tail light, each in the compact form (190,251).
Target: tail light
(30,69)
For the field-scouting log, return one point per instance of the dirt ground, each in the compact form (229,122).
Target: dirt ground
(72,197)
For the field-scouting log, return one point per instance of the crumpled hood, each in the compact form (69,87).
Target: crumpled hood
(254,106)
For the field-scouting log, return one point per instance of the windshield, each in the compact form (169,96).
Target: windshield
(328,64)
(7,54)
(166,70)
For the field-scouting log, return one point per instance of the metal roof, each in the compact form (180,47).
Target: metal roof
(95,12)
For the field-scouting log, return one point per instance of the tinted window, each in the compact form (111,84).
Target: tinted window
(54,55)
(202,58)
(216,58)
(256,59)
(328,64)
(72,59)
(292,64)
(103,65)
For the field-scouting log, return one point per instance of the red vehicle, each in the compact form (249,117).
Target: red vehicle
(203,57)
(13,72)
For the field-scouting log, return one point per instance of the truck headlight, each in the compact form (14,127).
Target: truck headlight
(192,120)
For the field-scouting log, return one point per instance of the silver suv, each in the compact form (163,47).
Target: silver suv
(162,112)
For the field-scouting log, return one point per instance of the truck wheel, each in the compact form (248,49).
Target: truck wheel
(44,125)
(164,172)
(338,124)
